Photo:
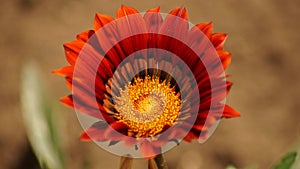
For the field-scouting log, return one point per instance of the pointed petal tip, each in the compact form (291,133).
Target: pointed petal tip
(157,9)
(206,28)
(67,100)
(218,40)
(180,12)
(58,72)
(67,45)
(54,72)
(122,6)
(182,8)
(229,85)
(126,10)
(229,112)
(64,71)
(85,137)
(100,20)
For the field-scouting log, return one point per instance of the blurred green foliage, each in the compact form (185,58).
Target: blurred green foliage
(39,119)
(287,161)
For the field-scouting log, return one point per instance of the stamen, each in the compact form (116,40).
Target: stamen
(147,106)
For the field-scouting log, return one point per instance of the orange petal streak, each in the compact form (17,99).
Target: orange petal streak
(64,71)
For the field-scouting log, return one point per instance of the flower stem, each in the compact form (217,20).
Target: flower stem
(152,164)
(125,163)
(161,162)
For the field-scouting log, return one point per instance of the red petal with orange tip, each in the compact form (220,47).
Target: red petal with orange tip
(157,9)
(84,36)
(230,112)
(72,50)
(129,27)
(218,40)
(64,71)
(153,20)
(229,85)
(172,22)
(86,93)
(180,12)
(68,101)
(101,20)
(69,82)
(85,137)
(225,58)
(85,108)
(206,28)
(126,10)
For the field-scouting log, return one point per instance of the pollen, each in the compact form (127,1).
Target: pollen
(147,106)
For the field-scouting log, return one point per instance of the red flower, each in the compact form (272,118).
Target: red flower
(148,79)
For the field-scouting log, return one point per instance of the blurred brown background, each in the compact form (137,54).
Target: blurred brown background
(264,38)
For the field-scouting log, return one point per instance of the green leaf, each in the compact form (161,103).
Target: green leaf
(287,161)
(38,119)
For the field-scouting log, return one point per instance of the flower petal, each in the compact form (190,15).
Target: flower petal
(181,12)
(101,20)
(95,132)
(133,43)
(230,112)
(68,101)
(172,22)
(69,82)
(148,150)
(72,50)
(84,36)
(126,10)
(153,20)
(117,131)
(85,108)
(218,40)
(171,35)
(225,58)
(206,28)
(190,136)
(64,71)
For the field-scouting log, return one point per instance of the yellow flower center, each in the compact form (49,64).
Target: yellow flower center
(147,106)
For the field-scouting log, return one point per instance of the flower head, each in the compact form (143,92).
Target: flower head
(149,80)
